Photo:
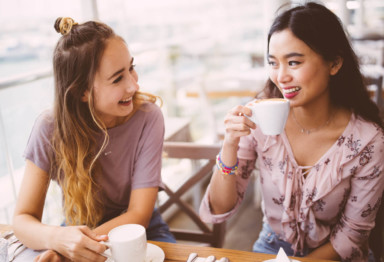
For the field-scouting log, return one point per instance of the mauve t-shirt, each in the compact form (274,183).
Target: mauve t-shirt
(131,160)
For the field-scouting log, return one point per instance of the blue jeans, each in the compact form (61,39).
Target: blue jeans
(269,242)
(158,230)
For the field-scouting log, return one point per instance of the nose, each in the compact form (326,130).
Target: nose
(132,85)
(283,75)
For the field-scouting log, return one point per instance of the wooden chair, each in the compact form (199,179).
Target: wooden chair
(377,93)
(211,235)
(376,238)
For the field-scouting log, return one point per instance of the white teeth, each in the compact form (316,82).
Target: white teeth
(291,90)
(126,100)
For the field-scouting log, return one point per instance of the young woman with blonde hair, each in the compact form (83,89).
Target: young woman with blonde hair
(102,143)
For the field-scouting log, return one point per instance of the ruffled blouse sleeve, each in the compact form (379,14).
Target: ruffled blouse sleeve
(350,235)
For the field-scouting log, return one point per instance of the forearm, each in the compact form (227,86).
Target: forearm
(130,217)
(325,251)
(140,209)
(223,190)
(32,233)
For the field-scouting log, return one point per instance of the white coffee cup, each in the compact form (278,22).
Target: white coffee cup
(127,243)
(269,114)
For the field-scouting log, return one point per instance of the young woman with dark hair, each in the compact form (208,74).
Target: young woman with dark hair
(322,179)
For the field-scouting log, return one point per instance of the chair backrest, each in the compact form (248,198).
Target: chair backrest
(376,81)
(376,238)
(212,235)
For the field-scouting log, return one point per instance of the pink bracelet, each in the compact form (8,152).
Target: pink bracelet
(226,170)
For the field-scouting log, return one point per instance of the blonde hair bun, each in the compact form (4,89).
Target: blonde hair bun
(63,25)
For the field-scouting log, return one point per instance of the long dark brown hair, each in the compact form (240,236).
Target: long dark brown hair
(323,32)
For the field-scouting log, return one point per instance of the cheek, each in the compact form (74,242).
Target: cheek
(318,76)
(273,75)
(106,97)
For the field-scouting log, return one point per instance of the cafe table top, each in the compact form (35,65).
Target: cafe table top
(180,252)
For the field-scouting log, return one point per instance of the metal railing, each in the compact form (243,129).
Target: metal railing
(25,78)
(6,83)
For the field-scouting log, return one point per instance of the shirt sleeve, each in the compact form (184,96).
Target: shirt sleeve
(147,170)
(39,149)
(244,171)
(350,235)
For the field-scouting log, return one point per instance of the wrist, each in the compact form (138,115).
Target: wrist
(54,233)
(223,168)
(231,143)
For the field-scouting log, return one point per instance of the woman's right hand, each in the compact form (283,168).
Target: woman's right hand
(50,256)
(237,124)
(79,243)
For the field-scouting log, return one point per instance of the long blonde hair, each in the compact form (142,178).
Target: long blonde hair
(76,126)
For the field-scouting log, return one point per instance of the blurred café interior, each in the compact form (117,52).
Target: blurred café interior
(201,57)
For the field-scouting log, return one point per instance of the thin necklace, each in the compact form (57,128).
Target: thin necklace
(309,131)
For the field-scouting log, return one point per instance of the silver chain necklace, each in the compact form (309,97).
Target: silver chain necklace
(309,131)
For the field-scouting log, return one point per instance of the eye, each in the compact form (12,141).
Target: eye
(272,63)
(117,80)
(132,68)
(293,63)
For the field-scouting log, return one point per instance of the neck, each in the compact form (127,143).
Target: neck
(309,121)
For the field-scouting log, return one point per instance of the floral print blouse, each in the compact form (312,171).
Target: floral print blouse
(336,201)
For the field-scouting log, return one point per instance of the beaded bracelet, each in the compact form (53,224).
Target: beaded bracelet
(226,170)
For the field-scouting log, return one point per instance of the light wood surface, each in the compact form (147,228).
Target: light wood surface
(180,252)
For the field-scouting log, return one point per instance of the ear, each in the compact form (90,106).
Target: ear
(85,96)
(336,65)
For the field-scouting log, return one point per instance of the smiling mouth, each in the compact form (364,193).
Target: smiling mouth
(291,90)
(125,101)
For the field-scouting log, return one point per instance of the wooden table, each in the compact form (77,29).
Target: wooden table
(180,252)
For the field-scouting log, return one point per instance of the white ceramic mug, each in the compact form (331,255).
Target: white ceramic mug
(127,243)
(269,114)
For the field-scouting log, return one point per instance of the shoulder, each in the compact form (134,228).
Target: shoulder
(366,130)
(361,139)
(150,111)
(44,123)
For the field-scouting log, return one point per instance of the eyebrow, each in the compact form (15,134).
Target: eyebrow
(116,73)
(120,70)
(287,55)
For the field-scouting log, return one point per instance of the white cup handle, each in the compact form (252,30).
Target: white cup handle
(250,117)
(109,246)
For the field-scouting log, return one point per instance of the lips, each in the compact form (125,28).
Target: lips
(125,101)
(290,92)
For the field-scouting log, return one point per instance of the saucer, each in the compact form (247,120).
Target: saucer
(154,254)
(275,260)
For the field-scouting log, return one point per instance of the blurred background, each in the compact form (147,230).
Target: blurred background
(201,57)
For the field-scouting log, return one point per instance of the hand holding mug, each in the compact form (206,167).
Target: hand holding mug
(76,242)
(236,125)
